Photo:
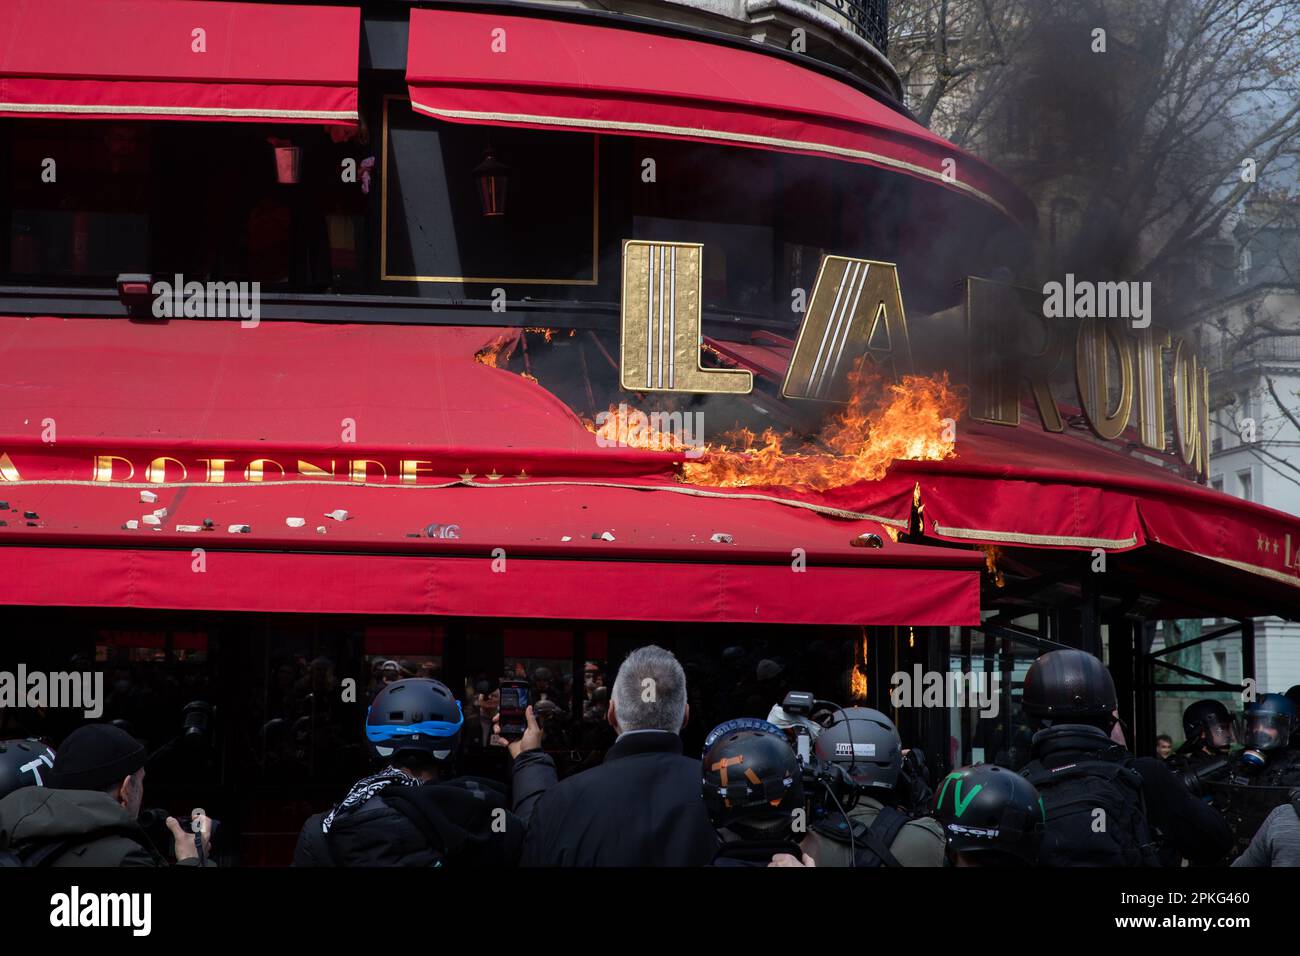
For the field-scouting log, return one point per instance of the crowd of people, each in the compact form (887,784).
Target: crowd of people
(814,784)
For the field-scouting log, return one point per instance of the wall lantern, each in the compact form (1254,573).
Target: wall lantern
(492,176)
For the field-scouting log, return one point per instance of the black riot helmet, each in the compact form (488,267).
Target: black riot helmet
(862,745)
(1269,722)
(24,763)
(416,715)
(1070,686)
(991,815)
(1207,723)
(751,776)
(1293,694)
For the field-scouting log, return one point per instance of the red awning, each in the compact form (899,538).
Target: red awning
(179,59)
(247,428)
(1025,487)
(562,75)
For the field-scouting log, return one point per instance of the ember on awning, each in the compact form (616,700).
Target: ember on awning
(179,60)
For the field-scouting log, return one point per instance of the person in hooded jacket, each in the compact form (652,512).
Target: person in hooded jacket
(84,811)
(414,812)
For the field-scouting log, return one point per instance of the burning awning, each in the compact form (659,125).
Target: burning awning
(550,74)
(179,60)
(194,465)
(1027,488)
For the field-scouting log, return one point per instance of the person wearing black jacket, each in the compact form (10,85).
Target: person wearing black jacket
(1073,697)
(641,806)
(411,813)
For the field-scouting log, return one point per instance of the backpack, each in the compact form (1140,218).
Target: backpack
(1077,835)
(871,844)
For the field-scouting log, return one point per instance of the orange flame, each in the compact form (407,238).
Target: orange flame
(991,553)
(882,422)
(629,427)
(858,674)
(490,355)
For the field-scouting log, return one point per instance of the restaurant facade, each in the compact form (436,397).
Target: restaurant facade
(481,340)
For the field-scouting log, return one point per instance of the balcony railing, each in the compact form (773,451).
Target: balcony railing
(869,19)
(1225,356)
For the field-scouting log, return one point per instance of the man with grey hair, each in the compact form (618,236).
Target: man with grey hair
(642,806)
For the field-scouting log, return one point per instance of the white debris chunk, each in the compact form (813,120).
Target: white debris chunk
(721,538)
(189,527)
(320,529)
(152,519)
(160,513)
(295,522)
(338,514)
(567,538)
(607,536)
(239,529)
(148,497)
(131,525)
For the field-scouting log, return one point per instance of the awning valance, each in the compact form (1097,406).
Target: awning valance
(553,74)
(179,60)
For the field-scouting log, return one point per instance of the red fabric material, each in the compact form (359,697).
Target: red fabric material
(134,59)
(387,584)
(195,391)
(555,74)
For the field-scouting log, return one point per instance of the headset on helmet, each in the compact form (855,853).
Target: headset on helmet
(750,773)
(24,763)
(1070,685)
(860,747)
(990,811)
(414,715)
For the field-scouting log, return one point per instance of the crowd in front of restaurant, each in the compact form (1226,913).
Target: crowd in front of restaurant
(813,785)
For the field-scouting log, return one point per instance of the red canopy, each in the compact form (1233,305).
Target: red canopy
(179,59)
(550,74)
(469,490)
(1025,487)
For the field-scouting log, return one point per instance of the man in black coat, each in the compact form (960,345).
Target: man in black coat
(642,805)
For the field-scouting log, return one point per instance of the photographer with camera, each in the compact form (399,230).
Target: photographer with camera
(88,812)
(753,791)
(856,768)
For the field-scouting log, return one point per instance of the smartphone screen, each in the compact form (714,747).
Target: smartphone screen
(514,701)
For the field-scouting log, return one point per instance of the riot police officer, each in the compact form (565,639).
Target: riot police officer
(1268,759)
(1076,763)
(992,816)
(24,763)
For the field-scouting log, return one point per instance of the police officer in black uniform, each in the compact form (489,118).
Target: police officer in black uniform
(992,816)
(1075,762)
(753,792)
(1205,756)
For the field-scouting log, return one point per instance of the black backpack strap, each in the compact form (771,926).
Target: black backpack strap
(875,841)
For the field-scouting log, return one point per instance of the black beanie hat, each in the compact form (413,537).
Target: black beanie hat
(94,757)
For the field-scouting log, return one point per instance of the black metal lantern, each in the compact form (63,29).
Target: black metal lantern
(492,176)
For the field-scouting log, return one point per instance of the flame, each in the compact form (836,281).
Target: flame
(991,553)
(547,334)
(489,355)
(628,427)
(881,423)
(858,673)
